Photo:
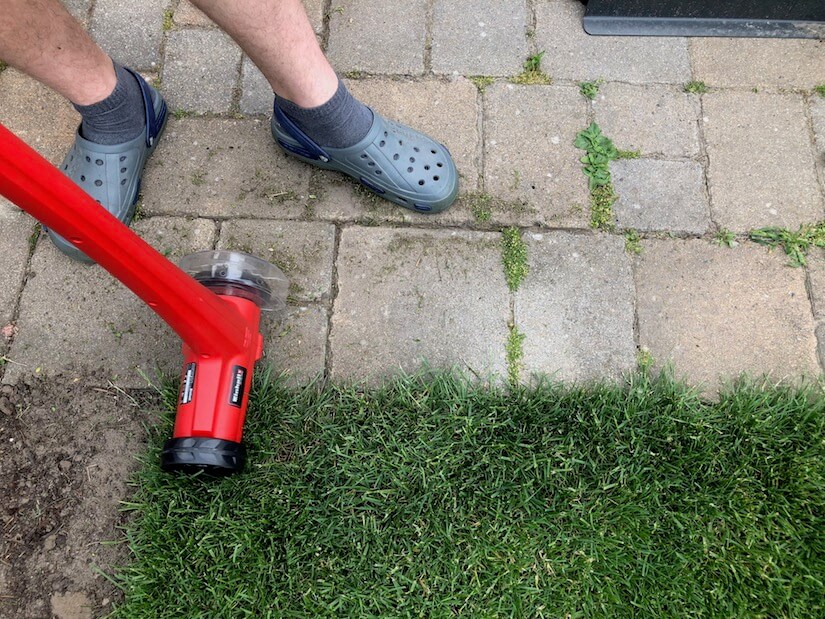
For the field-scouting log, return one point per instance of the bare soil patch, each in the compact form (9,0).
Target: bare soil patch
(67,453)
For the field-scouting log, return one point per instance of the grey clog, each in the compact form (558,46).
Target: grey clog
(111,173)
(396,162)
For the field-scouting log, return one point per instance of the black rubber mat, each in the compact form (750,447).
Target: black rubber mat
(707,18)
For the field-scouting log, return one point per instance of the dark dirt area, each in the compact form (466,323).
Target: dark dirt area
(67,453)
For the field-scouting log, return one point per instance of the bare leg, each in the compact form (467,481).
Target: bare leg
(40,38)
(277,36)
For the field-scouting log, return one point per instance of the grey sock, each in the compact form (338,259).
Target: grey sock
(120,117)
(340,122)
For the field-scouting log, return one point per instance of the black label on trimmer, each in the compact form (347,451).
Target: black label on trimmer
(238,384)
(187,389)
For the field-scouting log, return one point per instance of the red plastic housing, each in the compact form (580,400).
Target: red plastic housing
(220,334)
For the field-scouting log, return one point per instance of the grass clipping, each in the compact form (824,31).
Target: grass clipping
(433,497)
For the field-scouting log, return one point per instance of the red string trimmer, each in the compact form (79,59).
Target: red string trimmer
(213,302)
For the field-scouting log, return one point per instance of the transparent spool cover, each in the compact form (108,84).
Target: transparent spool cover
(239,274)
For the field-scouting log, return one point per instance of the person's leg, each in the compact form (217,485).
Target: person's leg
(40,38)
(278,38)
(316,118)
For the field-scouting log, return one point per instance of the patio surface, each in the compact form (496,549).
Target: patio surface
(375,288)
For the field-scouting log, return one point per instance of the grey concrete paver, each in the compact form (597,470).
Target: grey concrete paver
(750,63)
(377,37)
(200,70)
(530,160)
(256,93)
(407,296)
(661,195)
(474,37)
(575,308)
(224,168)
(657,120)
(816,274)
(570,53)
(717,312)
(80,322)
(187,14)
(297,344)
(15,231)
(79,9)
(302,250)
(343,200)
(762,170)
(130,32)
(37,115)
(818,116)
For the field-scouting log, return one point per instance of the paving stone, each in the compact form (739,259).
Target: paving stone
(818,115)
(80,322)
(749,63)
(575,308)
(377,37)
(445,110)
(297,345)
(474,37)
(406,296)
(718,312)
(224,168)
(187,14)
(200,70)
(654,119)
(340,199)
(15,231)
(130,31)
(256,93)
(37,115)
(816,274)
(530,160)
(660,195)
(302,250)
(570,53)
(78,8)
(761,169)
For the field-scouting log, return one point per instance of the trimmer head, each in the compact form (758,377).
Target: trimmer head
(215,388)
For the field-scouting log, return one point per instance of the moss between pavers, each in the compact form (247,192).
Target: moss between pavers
(514,257)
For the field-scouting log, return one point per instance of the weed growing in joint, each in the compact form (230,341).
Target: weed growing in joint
(820,90)
(481,206)
(481,81)
(796,244)
(514,257)
(632,242)
(600,151)
(589,90)
(167,20)
(3,66)
(725,237)
(696,88)
(628,154)
(515,354)
(532,74)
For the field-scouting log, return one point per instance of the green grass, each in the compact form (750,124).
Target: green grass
(725,237)
(696,88)
(796,244)
(432,498)
(514,257)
